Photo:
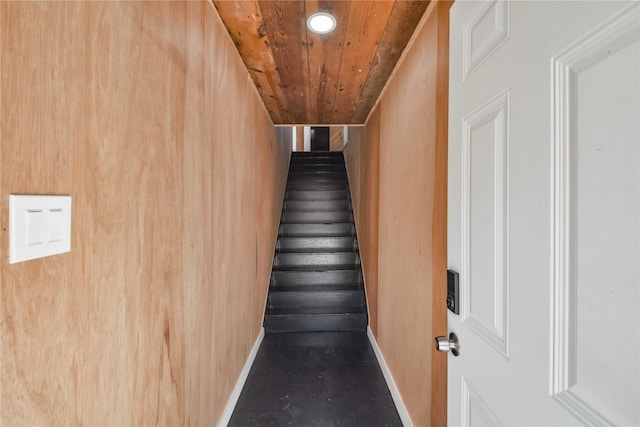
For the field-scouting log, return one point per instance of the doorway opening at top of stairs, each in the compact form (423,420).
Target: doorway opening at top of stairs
(320,138)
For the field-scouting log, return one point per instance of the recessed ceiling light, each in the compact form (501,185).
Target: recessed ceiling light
(321,23)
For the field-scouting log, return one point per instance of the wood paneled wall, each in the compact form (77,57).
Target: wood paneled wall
(145,115)
(299,138)
(409,128)
(336,138)
(362,155)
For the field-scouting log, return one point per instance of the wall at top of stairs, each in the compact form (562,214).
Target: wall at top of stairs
(144,113)
(409,128)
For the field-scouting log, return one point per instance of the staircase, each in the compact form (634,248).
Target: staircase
(316,280)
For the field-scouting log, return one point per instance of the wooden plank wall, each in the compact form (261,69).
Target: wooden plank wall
(150,318)
(362,155)
(410,132)
(299,138)
(336,138)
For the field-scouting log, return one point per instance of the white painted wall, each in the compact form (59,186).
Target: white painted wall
(307,138)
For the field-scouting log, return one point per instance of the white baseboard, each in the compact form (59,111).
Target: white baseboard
(235,394)
(395,393)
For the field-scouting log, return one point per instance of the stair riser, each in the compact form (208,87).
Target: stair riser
(284,260)
(289,217)
(310,278)
(338,229)
(306,160)
(318,164)
(316,323)
(317,195)
(296,243)
(309,299)
(321,205)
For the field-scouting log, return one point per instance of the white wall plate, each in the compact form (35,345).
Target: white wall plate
(39,226)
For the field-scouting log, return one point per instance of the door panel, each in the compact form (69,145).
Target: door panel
(544,212)
(484,227)
(597,227)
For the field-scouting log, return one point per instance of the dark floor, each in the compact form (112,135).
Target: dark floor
(315,379)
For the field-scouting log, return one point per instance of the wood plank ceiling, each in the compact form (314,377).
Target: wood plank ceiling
(308,78)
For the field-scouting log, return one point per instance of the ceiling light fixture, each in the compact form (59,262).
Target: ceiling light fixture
(321,23)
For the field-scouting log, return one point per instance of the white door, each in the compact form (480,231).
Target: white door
(544,212)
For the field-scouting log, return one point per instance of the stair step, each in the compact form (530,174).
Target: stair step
(334,287)
(317,185)
(317,154)
(317,205)
(303,311)
(324,217)
(315,167)
(331,156)
(316,195)
(298,243)
(312,230)
(316,162)
(327,179)
(314,259)
(314,298)
(319,172)
(315,321)
(308,277)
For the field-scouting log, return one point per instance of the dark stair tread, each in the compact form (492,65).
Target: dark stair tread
(346,224)
(319,235)
(319,323)
(320,182)
(296,300)
(302,236)
(332,229)
(321,179)
(315,278)
(319,222)
(319,174)
(321,192)
(327,241)
(311,268)
(320,250)
(316,217)
(316,288)
(311,185)
(301,209)
(307,311)
(318,168)
(316,154)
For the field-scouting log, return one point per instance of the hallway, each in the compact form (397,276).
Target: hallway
(315,379)
(146,116)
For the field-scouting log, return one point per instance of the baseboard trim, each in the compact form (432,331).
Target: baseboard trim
(235,394)
(395,393)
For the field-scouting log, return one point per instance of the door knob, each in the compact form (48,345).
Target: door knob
(445,344)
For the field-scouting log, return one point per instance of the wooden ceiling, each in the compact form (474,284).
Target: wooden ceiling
(307,78)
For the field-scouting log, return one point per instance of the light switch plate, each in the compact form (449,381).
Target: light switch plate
(39,226)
